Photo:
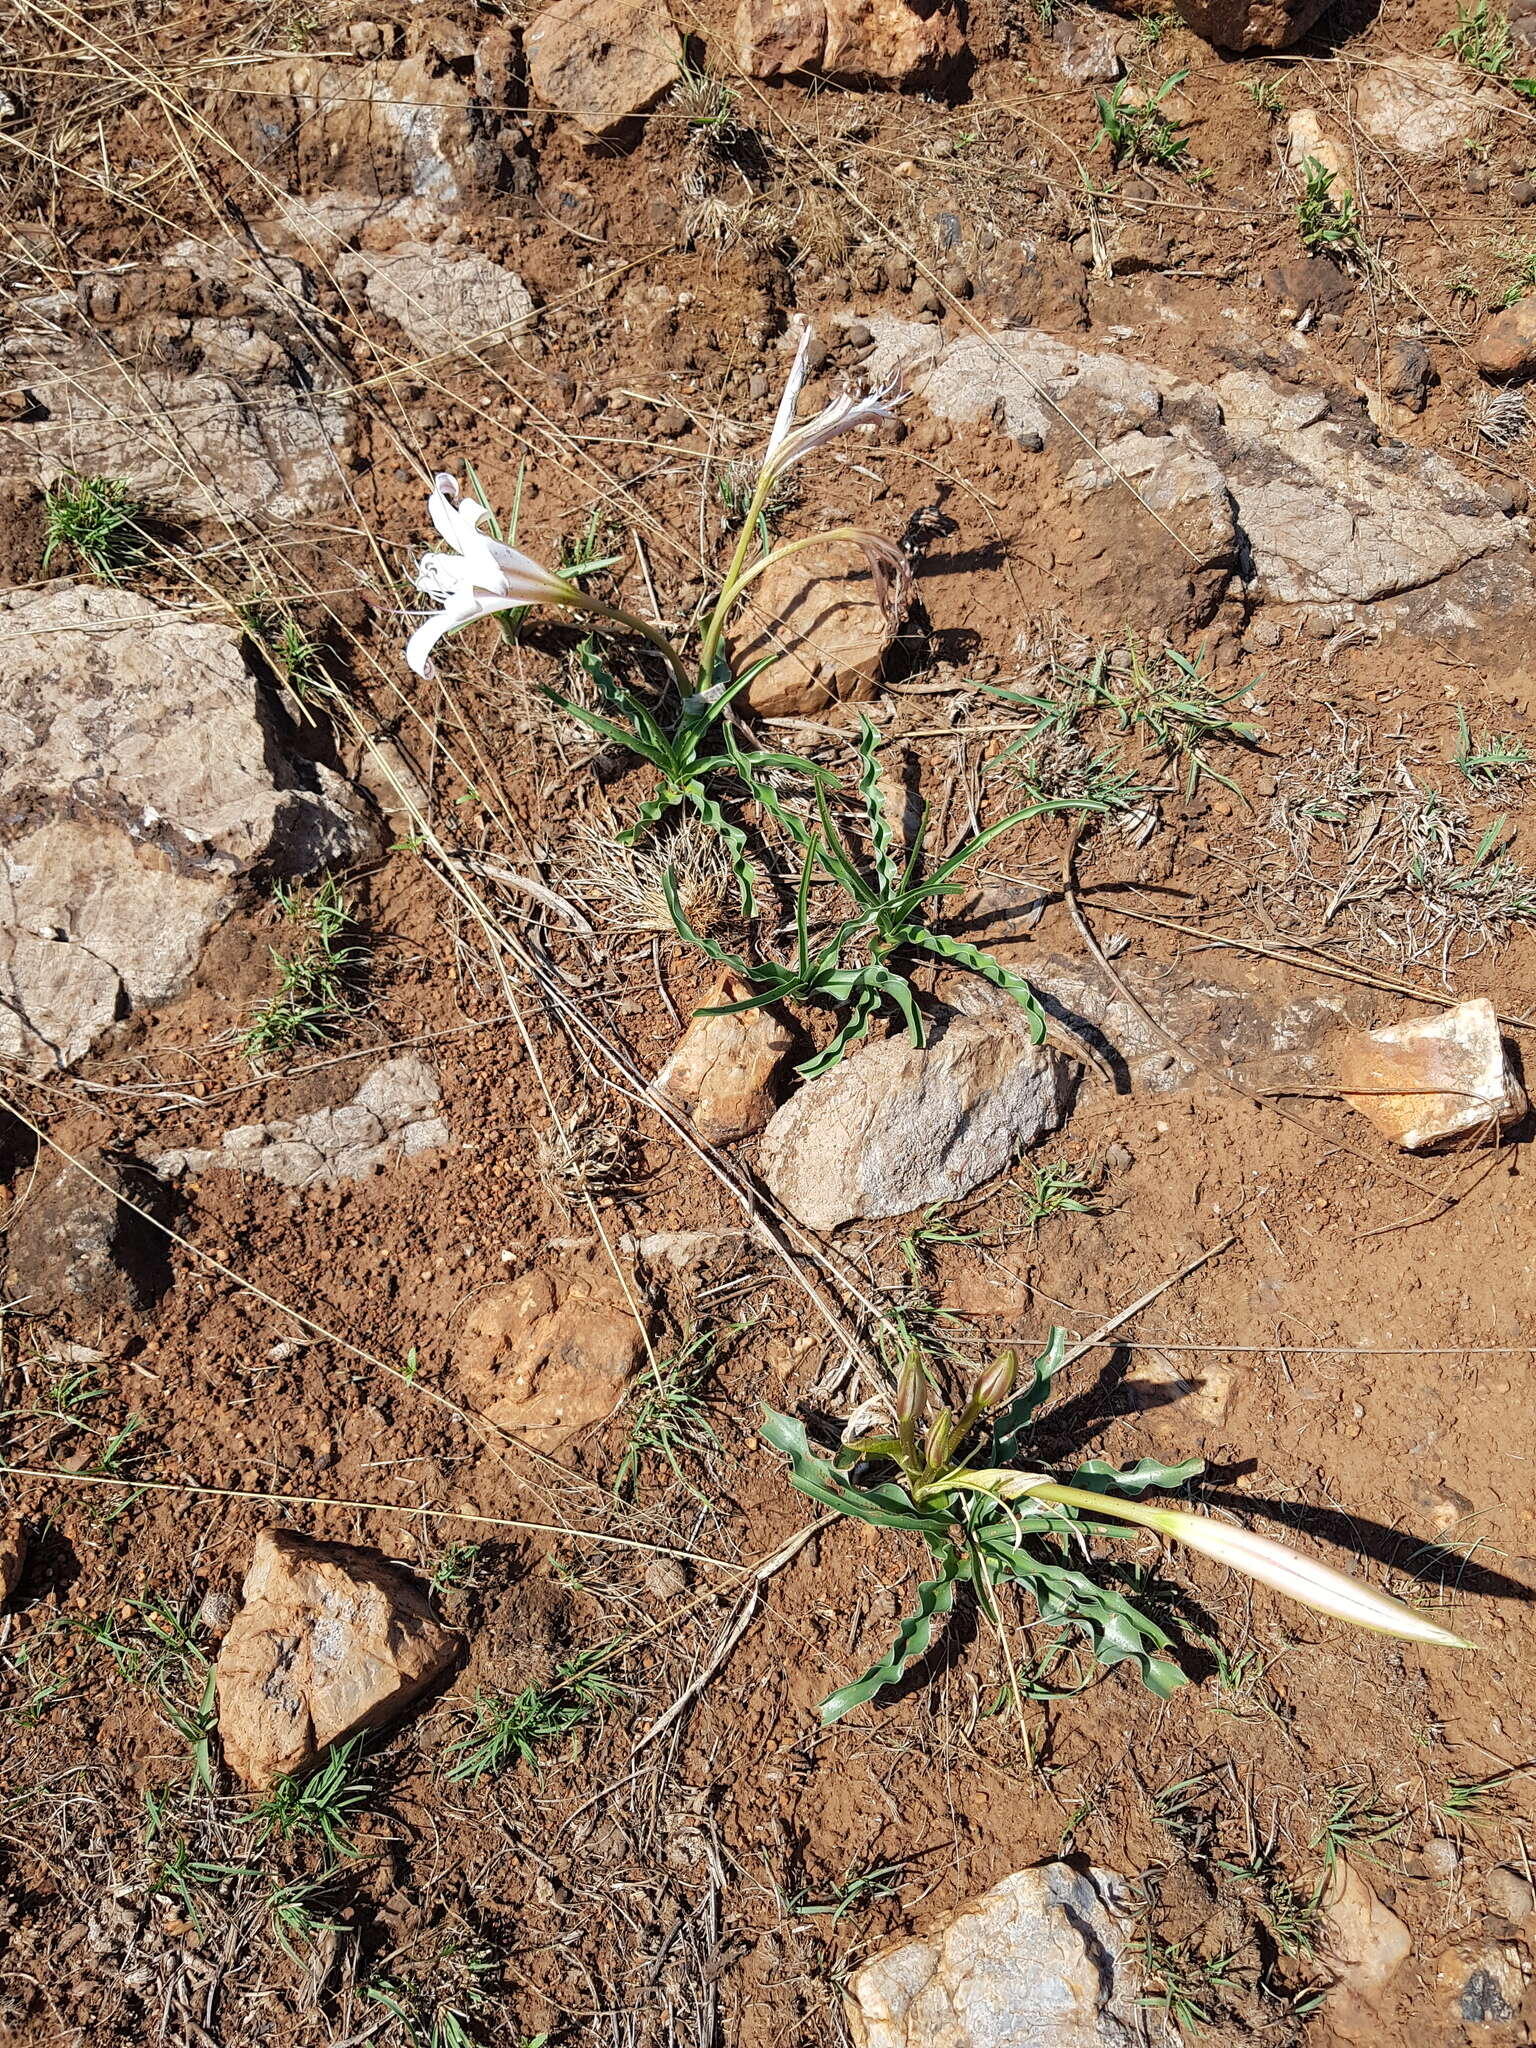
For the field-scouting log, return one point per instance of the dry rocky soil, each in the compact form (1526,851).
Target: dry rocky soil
(408,1635)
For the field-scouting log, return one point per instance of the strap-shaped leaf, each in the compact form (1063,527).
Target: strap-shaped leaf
(647,726)
(899,989)
(887,1506)
(735,841)
(1018,1413)
(880,845)
(609,729)
(836,858)
(711,948)
(866,1001)
(1117,1632)
(966,955)
(1098,1476)
(935,1598)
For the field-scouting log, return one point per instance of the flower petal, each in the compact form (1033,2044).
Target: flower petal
(460,610)
(784,419)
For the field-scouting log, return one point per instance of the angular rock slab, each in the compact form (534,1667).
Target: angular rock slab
(391,1117)
(331,1640)
(894,1126)
(722,1070)
(1451,1067)
(552,1353)
(821,615)
(445,299)
(1260,482)
(1418,105)
(377,130)
(139,780)
(1043,1960)
(1251,24)
(861,42)
(602,61)
(76,1249)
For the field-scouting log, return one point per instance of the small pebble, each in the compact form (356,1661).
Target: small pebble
(1119,1158)
(1440,1858)
(857,335)
(1511,1894)
(1522,191)
(217,1611)
(1479,178)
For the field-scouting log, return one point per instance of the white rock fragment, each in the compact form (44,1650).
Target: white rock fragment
(388,1119)
(1430,1080)
(1043,1960)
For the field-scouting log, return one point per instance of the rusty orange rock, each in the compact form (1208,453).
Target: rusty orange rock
(1432,1080)
(723,1069)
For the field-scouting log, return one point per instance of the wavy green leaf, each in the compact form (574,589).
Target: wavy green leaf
(935,1598)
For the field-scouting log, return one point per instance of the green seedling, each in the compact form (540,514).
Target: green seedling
(458,1567)
(1491,758)
(1184,1982)
(319,1805)
(296,1910)
(1354,1822)
(154,1646)
(316,980)
(520,1727)
(704,99)
(97,520)
(890,903)
(1265,95)
(1482,41)
(954,1483)
(1468,1803)
(918,1245)
(1328,226)
(1057,1189)
(863,1885)
(668,1415)
(1136,131)
(435,1997)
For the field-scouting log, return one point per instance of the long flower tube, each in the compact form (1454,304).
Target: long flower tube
(1301,1578)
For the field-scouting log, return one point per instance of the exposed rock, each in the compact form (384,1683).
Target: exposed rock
(1043,1960)
(1089,48)
(1408,373)
(1318,514)
(1310,284)
(1522,33)
(1484,1985)
(216,1610)
(331,1640)
(375,131)
(1138,247)
(13,1559)
(602,61)
(894,1126)
(1160,1388)
(1454,1078)
(723,1069)
(202,445)
(861,42)
(76,1249)
(552,1353)
(138,781)
(442,300)
(820,611)
(1418,105)
(1309,140)
(392,1116)
(1511,1894)
(1251,24)
(1504,347)
(1367,1943)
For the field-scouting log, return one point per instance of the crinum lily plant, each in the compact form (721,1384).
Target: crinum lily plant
(698,747)
(952,1478)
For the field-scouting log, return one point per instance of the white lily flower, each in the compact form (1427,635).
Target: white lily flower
(481,576)
(1301,1578)
(789,444)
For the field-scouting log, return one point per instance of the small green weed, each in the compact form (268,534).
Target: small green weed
(296,656)
(1291,1912)
(863,1885)
(668,1417)
(319,1805)
(1265,95)
(435,1991)
(1468,1803)
(1354,1822)
(1482,41)
(518,1727)
(1152,28)
(1185,1984)
(457,1568)
(97,520)
(704,99)
(316,981)
(1137,132)
(919,1244)
(153,1645)
(296,1909)
(1328,226)
(1518,260)
(1056,1189)
(1489,759)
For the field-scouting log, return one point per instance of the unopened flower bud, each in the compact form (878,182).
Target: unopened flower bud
(996,1383)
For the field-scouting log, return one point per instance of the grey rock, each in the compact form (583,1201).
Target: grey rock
(1043,1960)
(895,1126)
(1089,49)
(601,61)
(385,1121)
(1419,105)
(74,1246)
(1511,1894)
(1257,478)
(445,300)
(371,131)
(138,782)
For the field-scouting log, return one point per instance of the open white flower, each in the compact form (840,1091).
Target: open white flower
(480,577)
(789,444)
